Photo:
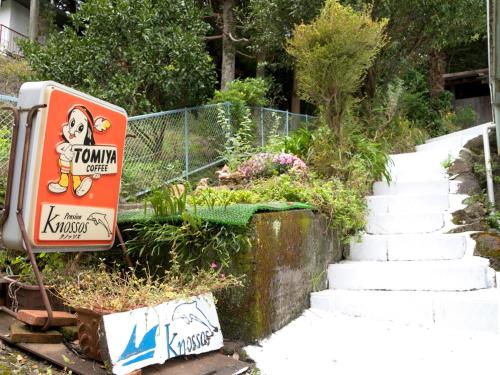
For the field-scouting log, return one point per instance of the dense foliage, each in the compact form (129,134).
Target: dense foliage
(332,56)
(144,55)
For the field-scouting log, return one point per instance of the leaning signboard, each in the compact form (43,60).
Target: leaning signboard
(72,179)
(153,335)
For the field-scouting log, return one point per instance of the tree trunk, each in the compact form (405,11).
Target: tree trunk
(295,105)
(228,48)
(260,71)
(437,62)
(33,27)
(370,83)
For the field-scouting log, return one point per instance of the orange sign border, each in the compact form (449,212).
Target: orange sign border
(46,163)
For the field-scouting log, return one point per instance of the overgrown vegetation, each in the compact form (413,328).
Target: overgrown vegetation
(332,55)
(105,290)
(143,55)
(13,73)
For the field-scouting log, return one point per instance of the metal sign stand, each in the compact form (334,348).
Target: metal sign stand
(20,202)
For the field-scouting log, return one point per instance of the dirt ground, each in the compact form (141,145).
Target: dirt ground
(14,361)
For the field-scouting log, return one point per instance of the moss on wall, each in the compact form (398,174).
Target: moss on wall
(289,250)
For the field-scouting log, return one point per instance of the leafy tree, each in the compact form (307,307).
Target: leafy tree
(332,56)
(421,31)
(268,23)
(145,55)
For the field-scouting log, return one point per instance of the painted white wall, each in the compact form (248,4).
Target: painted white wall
(16,17)
(19,18)
(5,10)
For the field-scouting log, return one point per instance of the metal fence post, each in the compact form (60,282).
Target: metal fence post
(286,124)
(186,143)
(261,127)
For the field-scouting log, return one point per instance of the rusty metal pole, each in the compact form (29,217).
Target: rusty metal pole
(20,220)
(123,247)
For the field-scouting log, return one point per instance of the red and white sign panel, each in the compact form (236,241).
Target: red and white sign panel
(74,170)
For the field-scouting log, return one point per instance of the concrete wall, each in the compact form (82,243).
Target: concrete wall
(288,258)
(15,17)
(19,18)
(5,11)
(481,105)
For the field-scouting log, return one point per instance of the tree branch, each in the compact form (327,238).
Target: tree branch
(244,54)
(213,37)
(235,40)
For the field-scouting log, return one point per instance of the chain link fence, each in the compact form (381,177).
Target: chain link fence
(165,146)
(6,125)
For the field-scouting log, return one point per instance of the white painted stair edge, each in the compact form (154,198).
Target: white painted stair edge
(405,268)
(475,310)
(405,222)
(411,203)
(408,187)
(469,273)
(410,247)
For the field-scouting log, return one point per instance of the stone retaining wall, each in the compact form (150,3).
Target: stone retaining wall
(288,259)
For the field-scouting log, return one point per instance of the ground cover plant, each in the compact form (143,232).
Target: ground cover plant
(113,290)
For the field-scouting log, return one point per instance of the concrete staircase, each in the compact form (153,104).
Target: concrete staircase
(405,268)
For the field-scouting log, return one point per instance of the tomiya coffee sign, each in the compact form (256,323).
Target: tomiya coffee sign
(74,170)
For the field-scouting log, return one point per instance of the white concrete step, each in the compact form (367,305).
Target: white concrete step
(417,160)
(408,247)
(440,275)
(472,310)
(419,187)
(422,174)
(406,203)
(443,147)
(468,133)
(404,222)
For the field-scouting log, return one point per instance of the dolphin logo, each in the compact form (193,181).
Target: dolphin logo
(189,311)
(100,219)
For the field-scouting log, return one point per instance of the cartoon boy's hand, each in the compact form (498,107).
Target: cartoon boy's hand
(67,152)
(96,176)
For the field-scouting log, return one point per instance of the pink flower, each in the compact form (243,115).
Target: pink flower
(213,265)
(265,164)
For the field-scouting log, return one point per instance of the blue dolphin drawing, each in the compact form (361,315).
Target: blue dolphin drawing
(147,346)
(189,311)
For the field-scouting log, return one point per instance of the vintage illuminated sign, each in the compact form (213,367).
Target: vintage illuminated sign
(74,170)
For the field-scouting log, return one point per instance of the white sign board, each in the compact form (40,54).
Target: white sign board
(152,335)
(91,160)
(76,223)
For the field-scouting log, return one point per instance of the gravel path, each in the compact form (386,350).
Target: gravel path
(14,361)
(324,343)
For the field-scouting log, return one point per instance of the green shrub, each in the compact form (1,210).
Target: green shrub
(211,197)
(354,159)
(190,244)
(168,201)
(343,205)
(240,143)
(332,56)
(244,92)
(13,73)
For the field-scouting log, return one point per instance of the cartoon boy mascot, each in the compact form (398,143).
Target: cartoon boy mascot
(77,131)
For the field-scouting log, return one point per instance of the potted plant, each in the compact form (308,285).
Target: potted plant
(126,296)
(19,288)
